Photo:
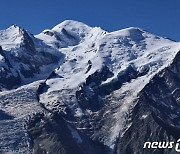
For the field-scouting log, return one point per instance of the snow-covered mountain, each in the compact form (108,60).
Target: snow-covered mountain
(81,89)
(23,58)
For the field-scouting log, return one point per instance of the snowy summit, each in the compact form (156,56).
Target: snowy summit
(77,88)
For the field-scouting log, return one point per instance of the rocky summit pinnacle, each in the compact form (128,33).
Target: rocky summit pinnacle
(81,89)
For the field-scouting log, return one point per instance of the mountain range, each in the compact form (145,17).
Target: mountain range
(76,89)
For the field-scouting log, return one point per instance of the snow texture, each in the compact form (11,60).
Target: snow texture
(82,51)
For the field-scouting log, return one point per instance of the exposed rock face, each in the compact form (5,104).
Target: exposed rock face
(22,60)
(8,77)
(150,120)
(80,89)
(52,135)
(155,118)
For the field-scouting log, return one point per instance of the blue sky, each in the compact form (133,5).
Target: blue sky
(161,17)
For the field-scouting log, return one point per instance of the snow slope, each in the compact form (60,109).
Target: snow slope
(134,48)
(24,58)
(91,77)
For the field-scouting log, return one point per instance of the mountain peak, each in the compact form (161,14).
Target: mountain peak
(67,33)
(70,24)
(13,36)
(95,89)
(15,27)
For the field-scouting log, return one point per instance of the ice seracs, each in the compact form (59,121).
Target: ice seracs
(85,75)
(132,55)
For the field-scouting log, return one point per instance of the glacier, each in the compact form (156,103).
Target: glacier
(83,81)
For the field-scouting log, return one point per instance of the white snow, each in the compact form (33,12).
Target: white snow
(79,44)
(10,37)
(20,103)
(117,50)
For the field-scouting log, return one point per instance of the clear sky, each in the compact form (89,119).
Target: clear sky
(161,17)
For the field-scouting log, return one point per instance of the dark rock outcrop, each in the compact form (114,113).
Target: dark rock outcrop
(155,118)
(8,77)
